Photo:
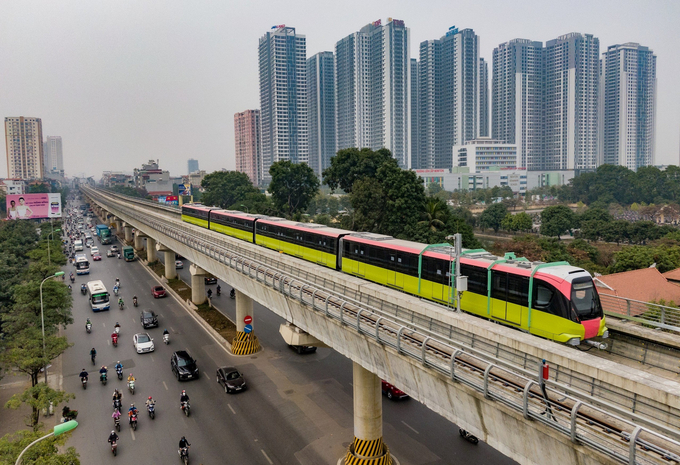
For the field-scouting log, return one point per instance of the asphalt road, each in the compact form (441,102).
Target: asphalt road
(297,410)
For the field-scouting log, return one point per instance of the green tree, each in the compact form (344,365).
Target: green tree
(38,397)
(225,189)
(41,188)
(492,217)
(49,451)
(556,220)
(293,186)
(434,210)
(523,222)
(24,351)
(26,311)
(350,165)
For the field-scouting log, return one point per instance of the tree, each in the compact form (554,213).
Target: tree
(24,351)
(45,452)
(492,217)
(38,397)
(57,302)
(433,213)
(226,189)
(350,165)
(556,220)
(41,188)
(293,186)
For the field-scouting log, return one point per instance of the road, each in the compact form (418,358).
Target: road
(297,410)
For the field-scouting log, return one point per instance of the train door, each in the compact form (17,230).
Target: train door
(391,270)
(499,294)
(401,268)
(518,291)
(361,268)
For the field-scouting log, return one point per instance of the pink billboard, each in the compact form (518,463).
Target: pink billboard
(28,206)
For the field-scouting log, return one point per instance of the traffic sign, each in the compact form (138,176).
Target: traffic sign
(248,329)
(248,319)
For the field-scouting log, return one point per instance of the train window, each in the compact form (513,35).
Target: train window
(477,278)
(518,290)
(362,250)
(548,299)
(382,256)
(499,285)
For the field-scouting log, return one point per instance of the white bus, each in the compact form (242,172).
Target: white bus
(98,296)
(78,246)
(82,265)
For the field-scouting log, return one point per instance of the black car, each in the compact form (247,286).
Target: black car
(183,366)
(231,379)
(303,349)
(211,280)
(148,319)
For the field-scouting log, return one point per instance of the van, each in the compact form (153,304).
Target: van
(78,246)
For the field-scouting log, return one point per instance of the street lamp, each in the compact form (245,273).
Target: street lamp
(61,428)
(247,210)
(42,317)
(49,256)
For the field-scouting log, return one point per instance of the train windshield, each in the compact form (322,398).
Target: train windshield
(585,300)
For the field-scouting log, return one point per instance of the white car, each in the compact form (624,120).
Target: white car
(143,343)
(94,249)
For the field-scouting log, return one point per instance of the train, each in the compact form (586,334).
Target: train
(565,306)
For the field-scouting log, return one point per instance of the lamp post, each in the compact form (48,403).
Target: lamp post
(42,317)
(247,210)
(61,428)
(49,256)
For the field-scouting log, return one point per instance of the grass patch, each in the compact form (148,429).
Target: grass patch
(181,288)
(217,321)
(158,268)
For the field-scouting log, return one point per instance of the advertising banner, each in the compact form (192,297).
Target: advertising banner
(184,189)
(29,206)
(171,200)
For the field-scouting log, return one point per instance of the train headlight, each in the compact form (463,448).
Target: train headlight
(605,334)
(574,341)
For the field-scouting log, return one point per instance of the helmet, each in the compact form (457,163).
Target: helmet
(149,397)
(132,405)
(118,361)
(183,391)
(183,437)
(113,432)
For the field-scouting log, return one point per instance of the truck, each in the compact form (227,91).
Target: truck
(128,253)
(104,234)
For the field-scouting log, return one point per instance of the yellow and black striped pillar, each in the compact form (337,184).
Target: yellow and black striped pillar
(245,344)
(368,447)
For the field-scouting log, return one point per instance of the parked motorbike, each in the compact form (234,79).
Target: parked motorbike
(151,408)
(131,386)
(88,327)
(186,408)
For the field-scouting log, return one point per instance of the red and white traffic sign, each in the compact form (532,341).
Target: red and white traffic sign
(248,319)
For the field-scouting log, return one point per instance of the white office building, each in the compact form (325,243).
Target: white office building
(628,105)
(283,98)
(483,154)
(54,158)
(372,89)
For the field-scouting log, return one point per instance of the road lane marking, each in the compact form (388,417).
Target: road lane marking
(104,325)
(172,329)
(165,385)
(133,434)
(206,376)
(232,409)
(134,321)
(409,427)
(152,358)
(267,457)
(108,343)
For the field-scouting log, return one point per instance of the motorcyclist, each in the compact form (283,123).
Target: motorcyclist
(103,372)
(165,331)
(116,415)
(117,395)
(83,375)
(70,288)
(183,398)
(83,287)
(115,290)
(132,411)
(88,322)
(219,289)
(113,437)
(134,300)
(114,337)
(209,293)
(131,378)
(117,327)
(120,302)
(183,443)
(118,365)
(93,353)
(118,282)
(150,401)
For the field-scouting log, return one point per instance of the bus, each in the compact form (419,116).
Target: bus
(78,246)
(82,265)
(98,296)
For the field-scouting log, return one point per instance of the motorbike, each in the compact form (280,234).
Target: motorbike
(88,327)
(134,302)
(93,356)
(151,408)
(116,423)
(117,405)
(102,378)
(117,329)
(73,279)
(115,290)
(131,386)
(119,372)
(84,382)
(186,408)
(121,305)
(467,436)
(114,340)
(219,291)
(117,283)
(114,446)
(184,454)
(133,421)
(83,290)
(166,338)
(68,414)
(232,294)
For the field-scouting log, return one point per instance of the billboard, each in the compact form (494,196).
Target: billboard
(184,189)
(29,206)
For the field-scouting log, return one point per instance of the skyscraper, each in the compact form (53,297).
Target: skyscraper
(248,144)
(415,140)
(483,119)
(628,105)
(571,93)
(517,99)
(449,96)
(24,148)
(283,97)
(192,166)
(372,89)
(321,110)
(53,157)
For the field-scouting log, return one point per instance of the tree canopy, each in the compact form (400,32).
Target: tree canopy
(492,217)
(556,220)
(228,189)
(293,186)
(350,165)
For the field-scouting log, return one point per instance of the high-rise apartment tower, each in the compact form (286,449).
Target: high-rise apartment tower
(321,110)
(24,148)
(53,156)
(192,166)
(248,144)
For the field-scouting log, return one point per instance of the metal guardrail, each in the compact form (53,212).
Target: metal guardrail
(629,443)
(647,313)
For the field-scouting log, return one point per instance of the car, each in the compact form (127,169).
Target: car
(94,249)
(110,253)
(211,280)
(114,249)
(183,365)
(158,291)
(392,392)
(148,319)
(143,343)
(179,264)
(179,257)
(231,379)
(303,349)
(96,257)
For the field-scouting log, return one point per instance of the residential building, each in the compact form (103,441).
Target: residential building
(192,166)
(571,94)
(415,139)
(24,148)
(628,105)
(449,94)
(484,153)
(372,89)
(517,99)
(195,178)
(12,186)
(283,98)
(321,110)
(248,144)
(117,178)
(483,130)
(53,162)
(155,180)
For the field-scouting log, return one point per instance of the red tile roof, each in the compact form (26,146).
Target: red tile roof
(646,285)
(673,275)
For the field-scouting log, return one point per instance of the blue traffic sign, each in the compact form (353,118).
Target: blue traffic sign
(248,328)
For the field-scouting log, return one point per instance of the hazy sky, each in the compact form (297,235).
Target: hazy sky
(127,81)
